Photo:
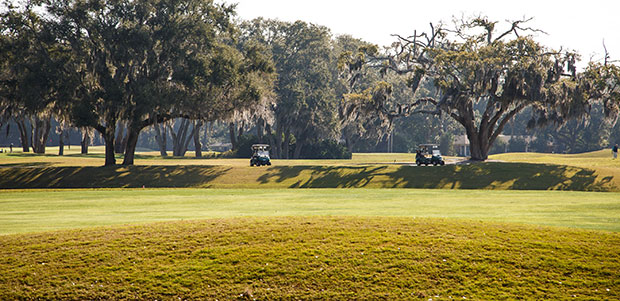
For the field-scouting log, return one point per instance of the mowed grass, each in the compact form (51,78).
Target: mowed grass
(525,171)
(42,210)
(596,159)
(313,258)
(95,157)
(273,243)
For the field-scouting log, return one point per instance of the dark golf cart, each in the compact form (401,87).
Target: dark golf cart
(260,155)
(428,154)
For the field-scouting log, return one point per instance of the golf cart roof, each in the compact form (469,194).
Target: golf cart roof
(260,146)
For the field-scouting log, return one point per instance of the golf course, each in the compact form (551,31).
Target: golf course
(520,226)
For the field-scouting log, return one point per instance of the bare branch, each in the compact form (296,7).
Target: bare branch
(515,26)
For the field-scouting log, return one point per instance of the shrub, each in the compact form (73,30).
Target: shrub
(446,144)
(325,149)
(517,144)
(499,146)
(244,146)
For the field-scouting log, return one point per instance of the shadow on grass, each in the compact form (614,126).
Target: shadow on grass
(95,156)
(26,164)
(492,175)
(520,176)
(109,177)
(323,176)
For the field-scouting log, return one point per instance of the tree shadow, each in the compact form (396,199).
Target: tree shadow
(323,176)
(94,156)
(494,175)
(26,164)
(110,177)
(491,175)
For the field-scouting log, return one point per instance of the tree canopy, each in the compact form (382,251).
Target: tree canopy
(482,78)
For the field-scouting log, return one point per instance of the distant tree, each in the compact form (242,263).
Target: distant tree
(483,77)
(306,103)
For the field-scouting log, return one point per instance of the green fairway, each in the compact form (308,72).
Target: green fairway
(95,157)
(39,210)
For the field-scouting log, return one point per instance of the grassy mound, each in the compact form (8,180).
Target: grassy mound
(310,258)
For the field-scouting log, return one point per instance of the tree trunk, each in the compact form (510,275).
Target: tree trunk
(478,144)
(41,129)
(161,139)
(61,143)
(132,141)
(240,131)
(298,147)
(108,137)
(180,139)
(197,144)
(270,137)
(23,134)
(278,143)
(233,136)
(85,141)
(260,125)
(286,146)
(121,138)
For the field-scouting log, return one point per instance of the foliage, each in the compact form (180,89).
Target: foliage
(517,144)
(325,149)
(244,149)
(144,62)
(32,66)
(483,77)
(306,102)
(446,144)
(500,146)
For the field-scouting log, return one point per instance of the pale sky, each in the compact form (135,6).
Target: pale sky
(575,25)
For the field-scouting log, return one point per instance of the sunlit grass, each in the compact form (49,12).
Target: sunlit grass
(595,160)
(273,243)
(95,157)
(40,210)
(312,258)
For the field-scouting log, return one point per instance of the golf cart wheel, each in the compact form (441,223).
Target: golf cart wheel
(442,163)
(268,163)
(434,163)
(251,164)
(418,163)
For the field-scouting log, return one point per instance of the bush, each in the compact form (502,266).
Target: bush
(244,146)
(498,147)
(325,149)
(446,144)
(517,144)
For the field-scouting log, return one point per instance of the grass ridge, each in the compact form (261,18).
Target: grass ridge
(491,175)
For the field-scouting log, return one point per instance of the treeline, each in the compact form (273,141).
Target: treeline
(176,74)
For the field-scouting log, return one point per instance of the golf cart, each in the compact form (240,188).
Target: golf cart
(260,155)
(428,154)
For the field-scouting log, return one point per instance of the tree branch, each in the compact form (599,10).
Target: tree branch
(504,121)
